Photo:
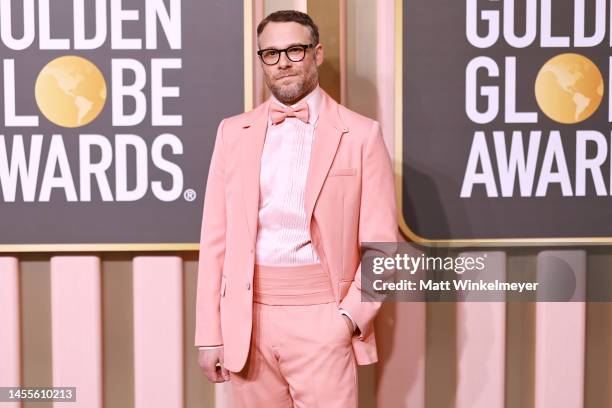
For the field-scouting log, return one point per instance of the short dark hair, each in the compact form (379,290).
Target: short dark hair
(285,16)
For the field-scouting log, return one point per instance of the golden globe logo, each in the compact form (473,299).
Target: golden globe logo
(71,92)
(569,89)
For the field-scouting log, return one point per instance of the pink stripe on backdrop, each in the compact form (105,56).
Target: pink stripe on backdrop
(400,371)
(259,92)
(343,46)
(400,327)
(10,328)
(76,328)
(158,332)
(560,334)
(223,395)
(301,5)
(385,71)
(481,343)
(401,341)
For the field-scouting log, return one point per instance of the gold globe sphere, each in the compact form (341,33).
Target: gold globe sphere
(569,88)
(70,91)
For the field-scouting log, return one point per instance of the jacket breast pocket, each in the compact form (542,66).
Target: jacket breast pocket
(349,171)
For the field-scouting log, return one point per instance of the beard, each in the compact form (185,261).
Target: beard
(293,92)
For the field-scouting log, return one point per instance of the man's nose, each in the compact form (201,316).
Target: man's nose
(284,61)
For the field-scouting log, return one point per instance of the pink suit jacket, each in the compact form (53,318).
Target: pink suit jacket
(350,198)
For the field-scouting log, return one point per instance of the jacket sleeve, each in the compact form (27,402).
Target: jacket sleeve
(377,220)
(212,251)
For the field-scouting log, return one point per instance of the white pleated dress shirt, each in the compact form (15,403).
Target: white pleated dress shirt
(283,238)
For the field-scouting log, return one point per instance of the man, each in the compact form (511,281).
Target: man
(294,186)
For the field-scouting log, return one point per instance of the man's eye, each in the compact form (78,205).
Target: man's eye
(271,53)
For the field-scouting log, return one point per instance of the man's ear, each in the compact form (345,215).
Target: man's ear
(319,54)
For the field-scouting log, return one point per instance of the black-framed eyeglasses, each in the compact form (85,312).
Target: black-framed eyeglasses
(295,53)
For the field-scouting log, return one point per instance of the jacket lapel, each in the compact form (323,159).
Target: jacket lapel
(251,149)
(328,134)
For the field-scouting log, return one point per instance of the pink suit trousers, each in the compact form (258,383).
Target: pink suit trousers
(301,353)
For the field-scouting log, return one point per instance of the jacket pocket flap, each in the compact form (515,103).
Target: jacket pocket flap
(351,171)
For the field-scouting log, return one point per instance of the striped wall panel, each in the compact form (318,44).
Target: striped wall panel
(159,312)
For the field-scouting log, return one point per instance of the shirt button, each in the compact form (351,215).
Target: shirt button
(248,285)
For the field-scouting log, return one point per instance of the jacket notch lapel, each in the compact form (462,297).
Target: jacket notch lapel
(251,149)
(328,134)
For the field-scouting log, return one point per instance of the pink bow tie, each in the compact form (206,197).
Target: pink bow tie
(279,113)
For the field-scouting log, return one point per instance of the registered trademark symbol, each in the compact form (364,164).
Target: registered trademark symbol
(189,194)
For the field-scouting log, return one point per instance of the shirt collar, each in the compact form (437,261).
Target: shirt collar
(313,99)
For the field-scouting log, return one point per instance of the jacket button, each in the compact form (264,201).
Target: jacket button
(248,285)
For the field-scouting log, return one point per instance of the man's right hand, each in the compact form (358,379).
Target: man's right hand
(208,360)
